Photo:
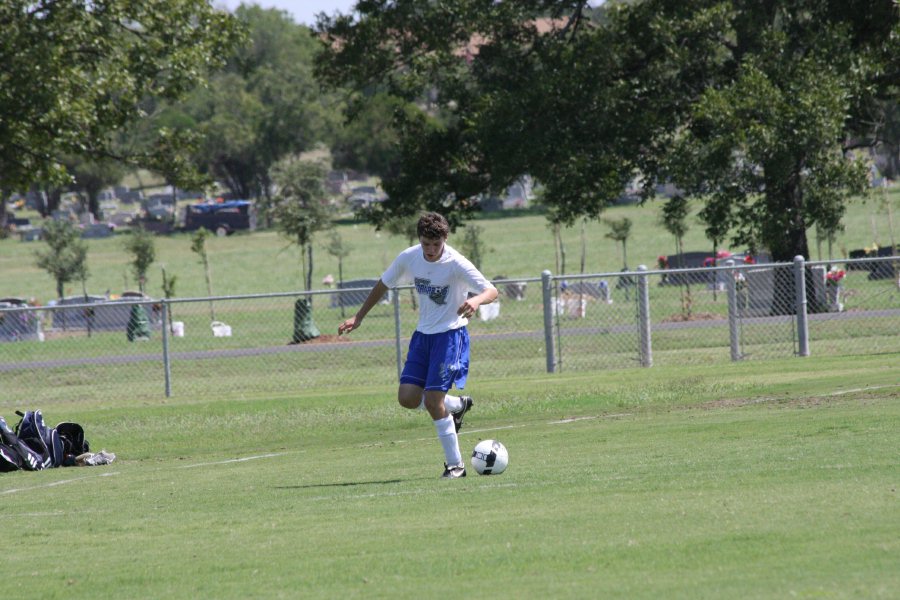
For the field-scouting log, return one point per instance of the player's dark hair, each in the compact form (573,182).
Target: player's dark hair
(433,226)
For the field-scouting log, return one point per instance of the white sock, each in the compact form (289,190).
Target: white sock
(452,403)
(446,433)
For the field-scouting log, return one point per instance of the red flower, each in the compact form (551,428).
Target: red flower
(662,261)
(834,277)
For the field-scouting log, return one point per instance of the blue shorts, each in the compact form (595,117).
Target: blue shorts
(437,361)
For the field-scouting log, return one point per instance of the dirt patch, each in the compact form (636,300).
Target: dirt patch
(732,403)
(859,396)
(323,339)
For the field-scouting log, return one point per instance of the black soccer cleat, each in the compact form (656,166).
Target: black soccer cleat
(454,472)
(458,416)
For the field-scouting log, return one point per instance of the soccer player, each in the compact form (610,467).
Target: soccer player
(438,355)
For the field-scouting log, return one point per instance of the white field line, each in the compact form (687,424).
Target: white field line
(572,420)
(588,418)
(56,483)
(231,460)
(863,389)
(76,479)
(54,513)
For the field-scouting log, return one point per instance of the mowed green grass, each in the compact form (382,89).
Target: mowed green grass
(518,245)
(748,480)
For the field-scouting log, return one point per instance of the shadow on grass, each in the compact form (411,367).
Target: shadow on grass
(344,484)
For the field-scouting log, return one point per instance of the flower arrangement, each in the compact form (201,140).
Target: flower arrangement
(834,276)
(662,262)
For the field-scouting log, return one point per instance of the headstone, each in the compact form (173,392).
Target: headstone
(355,298)
(755,294)
(96,230)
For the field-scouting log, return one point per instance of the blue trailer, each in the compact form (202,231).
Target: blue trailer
(223,218)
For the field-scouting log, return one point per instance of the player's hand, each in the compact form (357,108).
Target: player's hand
(348,325)
(467,309)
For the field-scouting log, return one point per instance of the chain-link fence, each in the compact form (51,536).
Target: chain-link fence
(269,344)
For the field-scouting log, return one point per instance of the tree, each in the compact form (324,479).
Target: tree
(198,246)
(340,250)
(749,105)
(555,222)
(75,73)
(888,139)
(301,208)
(674,219)
(473,246)
(91,176)
(497,100)
(368,142)
(143,250)
(263,107)
(406,227)
(66,256)
(619,232)
(168,289)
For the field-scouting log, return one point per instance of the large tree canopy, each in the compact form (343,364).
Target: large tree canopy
(751,104)
(264,106)
(77,72)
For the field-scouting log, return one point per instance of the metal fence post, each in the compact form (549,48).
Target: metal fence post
(548,320)
(800,300)
(733,329)
(644,317)
(167,363)
(395,296)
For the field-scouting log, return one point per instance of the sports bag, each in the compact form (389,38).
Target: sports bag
(72,436)
(16,454)
(9,459)
(40,438)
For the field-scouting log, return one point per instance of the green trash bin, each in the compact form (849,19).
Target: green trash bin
(138,324)
(304,327)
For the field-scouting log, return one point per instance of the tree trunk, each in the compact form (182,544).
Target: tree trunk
(309,255)
(94,204)
(687,301)
(53,200)
(785,237)
(341,284)
(207,272)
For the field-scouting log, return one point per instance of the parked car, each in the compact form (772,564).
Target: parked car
(223,218)
(363,196)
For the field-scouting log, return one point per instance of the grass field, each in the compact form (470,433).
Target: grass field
(747,480)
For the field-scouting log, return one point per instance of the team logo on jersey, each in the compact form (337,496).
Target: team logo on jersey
(437,293)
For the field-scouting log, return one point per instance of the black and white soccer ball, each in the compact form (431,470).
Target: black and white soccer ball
(490,457)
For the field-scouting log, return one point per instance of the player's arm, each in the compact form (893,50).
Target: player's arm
(377,292)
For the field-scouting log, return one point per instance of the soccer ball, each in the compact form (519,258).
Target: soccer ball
(490,457)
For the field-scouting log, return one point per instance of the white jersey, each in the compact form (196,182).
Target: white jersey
(442,285)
